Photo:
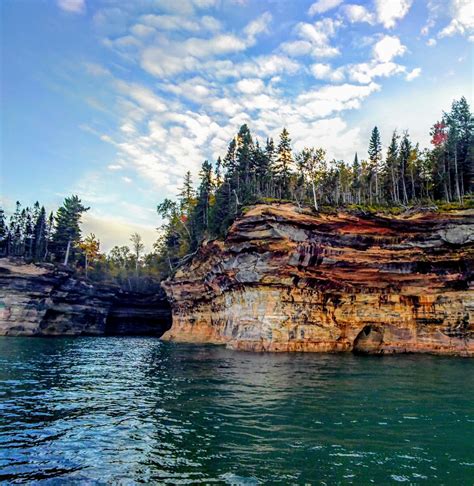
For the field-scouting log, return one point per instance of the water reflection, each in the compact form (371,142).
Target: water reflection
(139,410)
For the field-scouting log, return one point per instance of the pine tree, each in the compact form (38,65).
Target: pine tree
(262,169)
(221,213)
(186,195)
(3,234)
(404,157)
(39,236)
(28,232)
(391,163)
(245,165)
(270,156)
(283,164)
(460,125)
(218,172)
(375,156)
(200,220)
(68,231)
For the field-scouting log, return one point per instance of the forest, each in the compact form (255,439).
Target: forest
(402,176)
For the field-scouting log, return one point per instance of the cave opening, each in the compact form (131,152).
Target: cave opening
(369,341)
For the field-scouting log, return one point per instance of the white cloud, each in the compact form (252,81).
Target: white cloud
(257,26)
(177,23)
(462,12)
(314,39)
(184,7)
(73,6)
(142,30)
(387,12)
(250,86)
(143,96)
(431,42)
(170,22)
(413,74)
(259,67)
(329,99)
(207,82)
(326,72)
(366,72)
(387,48)
(196,89)
(358,13)
(211,23)
(390,11)
(166,58)
(322,6)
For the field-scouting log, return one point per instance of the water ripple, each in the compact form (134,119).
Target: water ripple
(136,410)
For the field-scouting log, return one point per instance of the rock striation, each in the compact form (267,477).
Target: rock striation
(47,301)
(287,279)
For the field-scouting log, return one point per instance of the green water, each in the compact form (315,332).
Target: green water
(137,410)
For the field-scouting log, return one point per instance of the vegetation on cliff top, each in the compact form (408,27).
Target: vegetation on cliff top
(249,173)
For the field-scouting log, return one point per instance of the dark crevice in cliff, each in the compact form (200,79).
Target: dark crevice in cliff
(48,301)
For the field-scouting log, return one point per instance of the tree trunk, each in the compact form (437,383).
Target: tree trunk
(314,196)
(66,257)
(456,175)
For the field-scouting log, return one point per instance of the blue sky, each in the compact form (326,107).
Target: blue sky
(116,100)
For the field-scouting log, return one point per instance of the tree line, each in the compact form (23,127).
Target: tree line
(250,172)
(35,236)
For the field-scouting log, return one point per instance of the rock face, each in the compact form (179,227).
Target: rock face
(289,280)
(44,301)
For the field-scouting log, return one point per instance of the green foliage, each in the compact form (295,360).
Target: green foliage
(406,177)
(68,231)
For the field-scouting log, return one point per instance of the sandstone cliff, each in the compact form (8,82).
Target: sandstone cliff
(45,301)
(289,280)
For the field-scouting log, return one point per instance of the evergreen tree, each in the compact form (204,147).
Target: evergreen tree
(218,172)
(68,232)
(283,165)
(270,155)
(3,234)
(200,221)
(245,165)
(28,232)
(40,236)
(375,156)
(186,195)
(392,172)
(440,166)
(262,169)
(459,123)
(404,157)
(222,213)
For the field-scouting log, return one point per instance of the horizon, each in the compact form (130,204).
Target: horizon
(118,103)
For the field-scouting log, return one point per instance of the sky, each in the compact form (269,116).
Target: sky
(115,101)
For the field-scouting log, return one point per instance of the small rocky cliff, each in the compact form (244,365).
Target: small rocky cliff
(290,280)
(46,301)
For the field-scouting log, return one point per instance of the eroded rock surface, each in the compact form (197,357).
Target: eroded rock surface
(45,301)
(289,280)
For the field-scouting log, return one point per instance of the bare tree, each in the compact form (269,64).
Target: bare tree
(138,247)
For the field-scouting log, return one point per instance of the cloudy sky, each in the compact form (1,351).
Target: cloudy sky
(116,100)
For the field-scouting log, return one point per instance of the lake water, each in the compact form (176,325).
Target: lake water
(138,410)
